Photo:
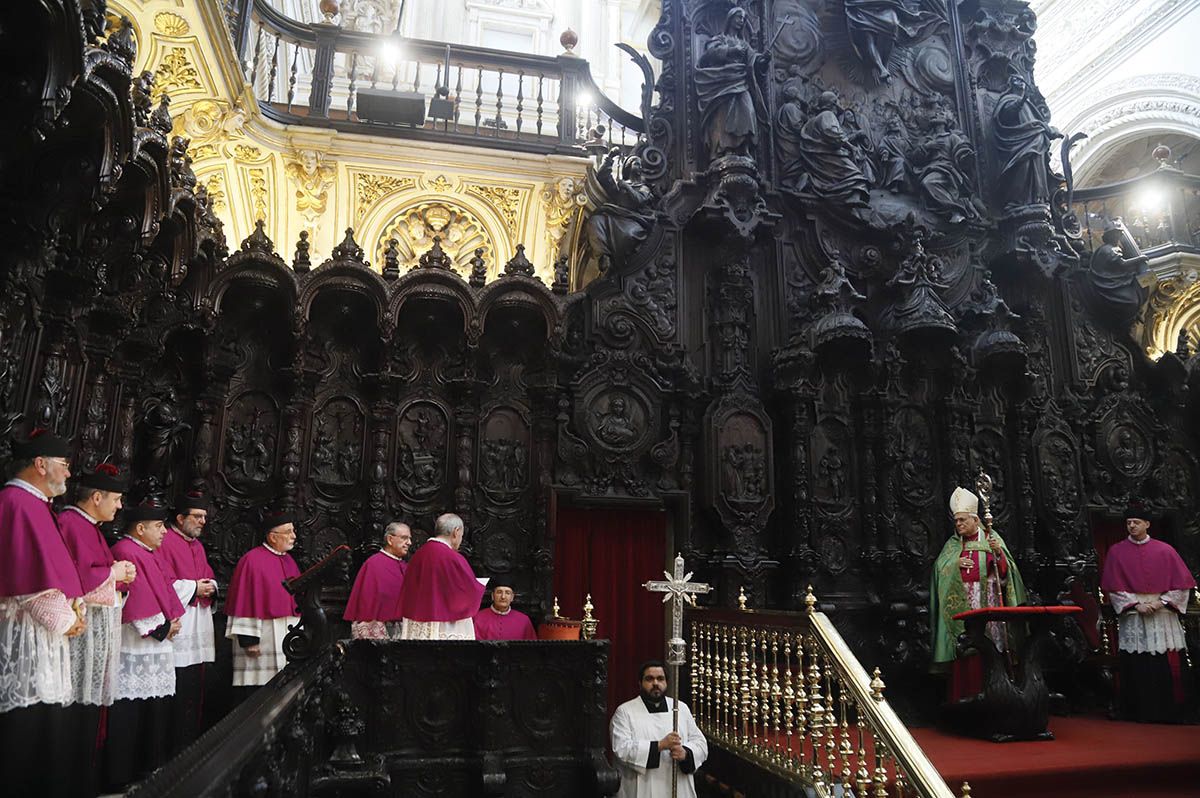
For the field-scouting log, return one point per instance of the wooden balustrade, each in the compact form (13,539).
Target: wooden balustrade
(311,74)
(1160,212)
(784,691)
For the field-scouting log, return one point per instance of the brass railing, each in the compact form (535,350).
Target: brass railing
(784,691)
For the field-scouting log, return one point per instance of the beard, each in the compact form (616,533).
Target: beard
(56,488)
(654,694)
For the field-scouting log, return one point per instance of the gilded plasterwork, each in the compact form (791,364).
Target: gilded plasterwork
(505,201)
(170,24)
(369,189)
(307,179)
(175,74)
(459,231)
(311,176)
(1174,305)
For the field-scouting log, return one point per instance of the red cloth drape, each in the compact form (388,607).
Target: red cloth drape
(610,553)
(1106,532)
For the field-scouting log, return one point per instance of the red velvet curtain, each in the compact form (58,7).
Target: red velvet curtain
(1105,533)
(610,553)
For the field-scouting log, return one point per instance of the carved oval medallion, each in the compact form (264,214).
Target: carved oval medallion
(421,450)
(504,454)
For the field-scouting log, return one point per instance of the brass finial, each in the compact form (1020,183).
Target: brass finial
(742,598)
(877,686)
(589,623)
(810,601)
(554,611)
(966,790)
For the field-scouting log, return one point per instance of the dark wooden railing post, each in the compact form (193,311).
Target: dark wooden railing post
(568,92)
(238,16)
(320,95)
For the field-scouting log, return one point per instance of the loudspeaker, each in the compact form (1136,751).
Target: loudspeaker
(392,107)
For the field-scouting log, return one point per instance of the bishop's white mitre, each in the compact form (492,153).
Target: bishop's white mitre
(964,501)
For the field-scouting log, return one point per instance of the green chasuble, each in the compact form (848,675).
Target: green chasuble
(948,596)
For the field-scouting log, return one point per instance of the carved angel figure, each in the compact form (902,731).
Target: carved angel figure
(313,180)
(875,26)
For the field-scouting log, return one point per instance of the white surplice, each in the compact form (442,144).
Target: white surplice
(196,641)
(251,671)
(634,728)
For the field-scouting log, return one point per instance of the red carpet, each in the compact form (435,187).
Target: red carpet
(1090,758)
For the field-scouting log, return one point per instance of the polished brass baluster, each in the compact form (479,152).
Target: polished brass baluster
(816,711)
(845,748)
(724,683)
(742,700)
(697,680)
(801,703)
(764,695)
(900,782)
(863,774)
(789,699)
(776,701)
(755,726)
(831,736)
(880,779)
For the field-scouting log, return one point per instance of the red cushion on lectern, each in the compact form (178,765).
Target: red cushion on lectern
(1011,613)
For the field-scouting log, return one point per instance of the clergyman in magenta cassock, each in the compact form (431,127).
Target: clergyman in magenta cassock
(498,620)
(138,727)
(39,584)
(441,594)
(1148,584)
(373,609)
(186,564)
(259,607)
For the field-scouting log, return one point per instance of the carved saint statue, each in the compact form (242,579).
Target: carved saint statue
(939,160)
(624,221)
(875,26)
(787,134)
(726,76)
(1022,142)
(1114,279)
(828,156)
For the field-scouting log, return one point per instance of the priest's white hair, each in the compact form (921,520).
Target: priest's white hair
(394,529)
(447,524)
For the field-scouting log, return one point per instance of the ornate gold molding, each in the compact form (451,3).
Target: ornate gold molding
(168,23)
(414,228)
(175,74)
(505,201)
(370,188)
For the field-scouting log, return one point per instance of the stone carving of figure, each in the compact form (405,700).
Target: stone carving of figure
(828,157)
(1022,142)
(875,26)
(615,426)
(938,163)
(893,158)
(1114,279)
(726,77)
(624,221)
(832,472)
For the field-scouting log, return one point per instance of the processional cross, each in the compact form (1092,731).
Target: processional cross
(678,589)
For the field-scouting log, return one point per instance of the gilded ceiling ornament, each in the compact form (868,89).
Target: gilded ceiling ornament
(202,152)
(369,189)
(175,74)
(312,178)
(414,229)
(440,184)
(169,24)
(506,202)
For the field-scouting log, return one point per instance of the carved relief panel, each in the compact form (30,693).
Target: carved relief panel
(251,434)
(422,449)
(336,448)
(504,449)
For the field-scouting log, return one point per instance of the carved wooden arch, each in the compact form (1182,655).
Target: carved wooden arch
(349,277)
(60,58)
(521,291)
(255,268)
(105,82)
(437,284)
